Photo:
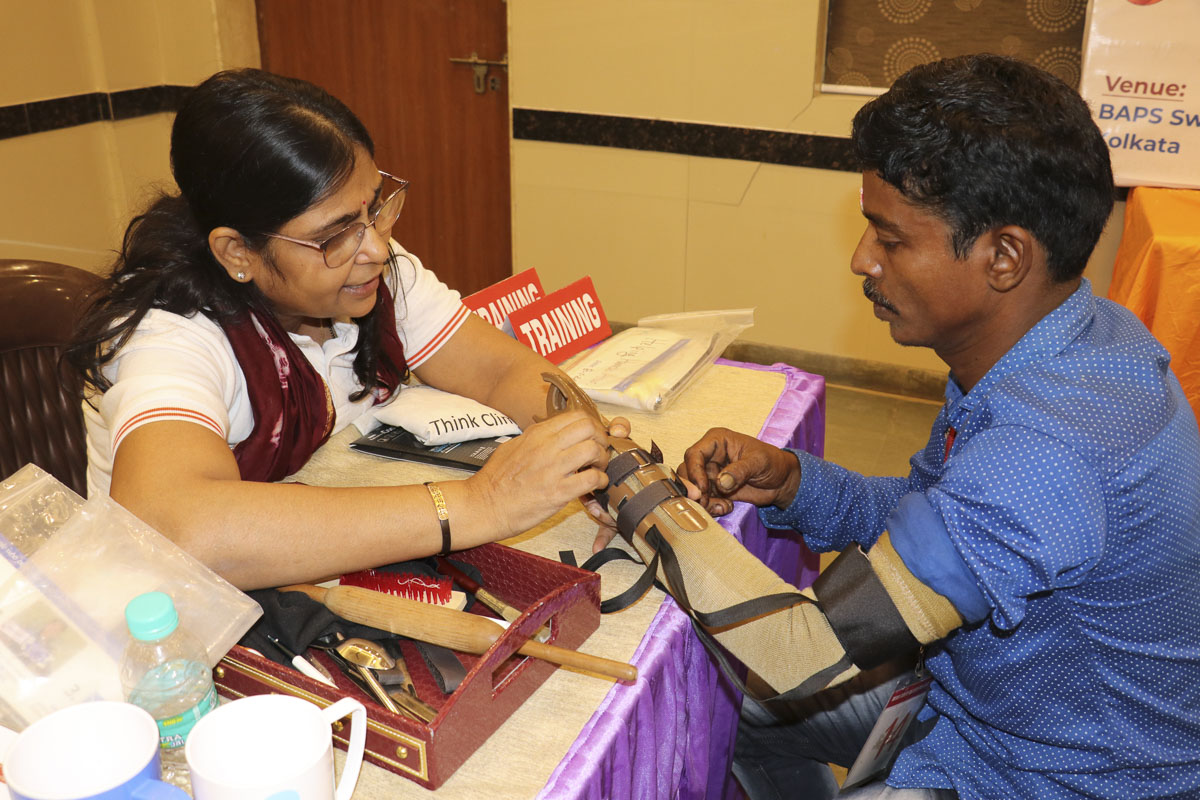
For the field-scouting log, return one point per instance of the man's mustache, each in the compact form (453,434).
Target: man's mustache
(872,293)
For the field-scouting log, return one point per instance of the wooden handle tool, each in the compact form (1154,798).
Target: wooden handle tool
(458,630)
(490,600)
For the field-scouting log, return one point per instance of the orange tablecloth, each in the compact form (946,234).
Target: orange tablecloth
(1157,275)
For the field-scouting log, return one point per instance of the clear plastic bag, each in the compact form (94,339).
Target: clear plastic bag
(646,367)
(68,567)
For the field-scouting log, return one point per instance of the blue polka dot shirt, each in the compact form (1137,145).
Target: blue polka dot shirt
(1063,522)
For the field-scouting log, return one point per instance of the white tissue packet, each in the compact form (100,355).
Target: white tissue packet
(646,367)
(437,417)
(638,367)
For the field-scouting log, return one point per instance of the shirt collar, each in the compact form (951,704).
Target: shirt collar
(1050,336)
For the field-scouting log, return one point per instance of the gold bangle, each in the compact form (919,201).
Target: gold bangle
(443,514)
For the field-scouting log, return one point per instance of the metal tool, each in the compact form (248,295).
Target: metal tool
(329,645)
(367,656)
(400,684)
(398,675)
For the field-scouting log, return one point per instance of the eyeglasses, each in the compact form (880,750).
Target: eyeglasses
(342,246)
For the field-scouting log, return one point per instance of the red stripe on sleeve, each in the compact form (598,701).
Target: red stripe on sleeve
(184,414)
(447,330)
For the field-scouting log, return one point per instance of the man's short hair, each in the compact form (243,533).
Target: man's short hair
(984,141)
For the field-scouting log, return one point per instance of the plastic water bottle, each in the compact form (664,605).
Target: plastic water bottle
(165,671)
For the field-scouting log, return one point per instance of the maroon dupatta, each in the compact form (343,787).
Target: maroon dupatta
(293,410)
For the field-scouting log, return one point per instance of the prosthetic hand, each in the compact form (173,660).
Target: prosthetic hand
(864,610)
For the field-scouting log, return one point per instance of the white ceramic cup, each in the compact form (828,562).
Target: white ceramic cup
(100,749)
(274,745)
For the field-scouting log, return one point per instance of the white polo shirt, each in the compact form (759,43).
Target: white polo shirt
(183,368)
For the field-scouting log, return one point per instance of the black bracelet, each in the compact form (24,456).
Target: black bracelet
(443,514)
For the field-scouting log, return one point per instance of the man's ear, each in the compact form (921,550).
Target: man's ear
(1013,251)
(232,253)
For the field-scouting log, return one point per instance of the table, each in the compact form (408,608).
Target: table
(670,734)
(1157,275)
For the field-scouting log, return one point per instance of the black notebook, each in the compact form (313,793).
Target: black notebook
(390,441)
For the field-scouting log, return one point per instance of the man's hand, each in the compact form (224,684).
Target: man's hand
(725,466)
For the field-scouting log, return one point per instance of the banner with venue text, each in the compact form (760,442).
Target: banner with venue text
(1141,77)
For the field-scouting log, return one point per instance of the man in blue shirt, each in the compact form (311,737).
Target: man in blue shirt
(1057,503)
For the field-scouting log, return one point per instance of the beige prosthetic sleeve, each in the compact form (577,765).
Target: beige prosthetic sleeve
(928,615)
(785,647)
(796,642)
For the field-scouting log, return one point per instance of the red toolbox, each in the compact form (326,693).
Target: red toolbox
(496,683)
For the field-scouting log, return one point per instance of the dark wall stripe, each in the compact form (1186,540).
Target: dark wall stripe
(40,116)
(685,138)
(63,112)
(692,139)
(563,127)
(132,103)
(14,121)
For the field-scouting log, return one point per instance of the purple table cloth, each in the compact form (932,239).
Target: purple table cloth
(671,734)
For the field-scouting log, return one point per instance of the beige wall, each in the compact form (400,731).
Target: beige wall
(69,193)
(657,232)
(660,232)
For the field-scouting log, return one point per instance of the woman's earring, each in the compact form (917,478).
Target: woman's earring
(241,276)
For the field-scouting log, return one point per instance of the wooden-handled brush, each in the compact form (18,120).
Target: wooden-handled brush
(458,630)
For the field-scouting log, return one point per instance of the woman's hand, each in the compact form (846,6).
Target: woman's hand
(725,466)
(528,479)
(618,427)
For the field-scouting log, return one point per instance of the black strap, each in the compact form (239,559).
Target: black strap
(625,599)
(447,671)
(725,617)
(861,612)
(811,685)
(634,593)
(625,464)
(772,602)
(637,507)
(601,496)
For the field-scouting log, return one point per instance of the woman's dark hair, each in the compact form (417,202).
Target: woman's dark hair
(251,151)
(984,141)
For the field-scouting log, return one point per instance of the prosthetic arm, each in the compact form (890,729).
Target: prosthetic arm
(865,609)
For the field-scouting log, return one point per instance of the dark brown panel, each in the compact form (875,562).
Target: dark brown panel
(389,60)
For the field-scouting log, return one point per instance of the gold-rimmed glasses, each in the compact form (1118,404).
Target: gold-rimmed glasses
(339,248)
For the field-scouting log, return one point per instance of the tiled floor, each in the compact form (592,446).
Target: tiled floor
(875,433)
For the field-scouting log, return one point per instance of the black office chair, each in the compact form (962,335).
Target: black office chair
(40,417)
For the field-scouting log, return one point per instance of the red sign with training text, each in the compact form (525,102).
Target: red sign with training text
(497,301)
(562,323)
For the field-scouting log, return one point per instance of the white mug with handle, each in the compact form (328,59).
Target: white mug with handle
(273,745)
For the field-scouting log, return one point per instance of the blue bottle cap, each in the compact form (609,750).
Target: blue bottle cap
(151,616)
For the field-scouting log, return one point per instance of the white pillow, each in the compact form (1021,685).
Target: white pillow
(437,417)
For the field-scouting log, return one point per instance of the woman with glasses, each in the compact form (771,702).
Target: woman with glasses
(264,308)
